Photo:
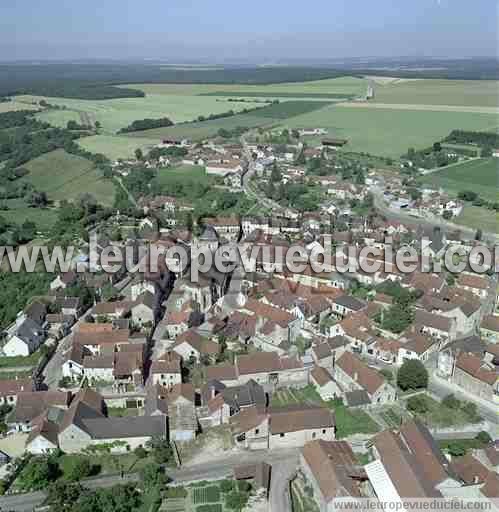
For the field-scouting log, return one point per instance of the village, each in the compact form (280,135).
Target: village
(358,378)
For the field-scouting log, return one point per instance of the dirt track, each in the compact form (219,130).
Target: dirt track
(408,106)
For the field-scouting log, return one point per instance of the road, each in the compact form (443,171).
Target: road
(285,462)
(428,224)
(259,198)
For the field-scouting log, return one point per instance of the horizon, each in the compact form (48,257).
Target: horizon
(267,34)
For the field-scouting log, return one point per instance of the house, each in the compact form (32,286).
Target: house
(442,328)
(84,424)
(176,322)
(228,228)
(469,469)
(489,328)
(32,404)
(427,454)
(27,337)
(58,325)
(72,367)
(346,305)
(69,306)
(259,474)
(226,374)
(446,360)
(324,384)
(332,470)
(476,377)
(285,427)
(395,474)
(10,389)
(63,280)
(191,346)
(111,310)
(182,418)
(166,370)
(224,167)
(325,353)
(43,436)
(479,285)
(271,370)
(221,404)
(353,374)
(144,310)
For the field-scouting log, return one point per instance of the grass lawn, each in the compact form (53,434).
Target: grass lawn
(439,415)
(481,176)
(479,218)
(18,361)
(116,146)
(439,92)
(65,176)
(388,132)
(15,375)
(19,211)
(120,412)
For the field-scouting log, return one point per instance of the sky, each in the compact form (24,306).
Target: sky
(262,31)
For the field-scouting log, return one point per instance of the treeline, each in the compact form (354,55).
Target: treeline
(235,132)
(229,113)
(430,158)
(476,200)
(482,139)
(147,124)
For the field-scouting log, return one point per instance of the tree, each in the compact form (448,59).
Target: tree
(38,474)
(437,147)
(152,475)
(138,154)
(81,468)
(447,215)
(412,375)
(63,495)
(38,199)
(226,486)
(236,500)
(470,409)
(486,152)
(97,125)
(161,449)
(478,234)
(484,438)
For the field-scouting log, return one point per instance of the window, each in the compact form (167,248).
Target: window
(281,435)
(324,431)
(314,435)
(257,431)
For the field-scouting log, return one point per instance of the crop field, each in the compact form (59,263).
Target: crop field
(439,92)
(480,176)
(118,113)
(387,132)
(116,146)
(280,95)
(65,176)
(333,86)
(59,118)
(11,106)
(267,116)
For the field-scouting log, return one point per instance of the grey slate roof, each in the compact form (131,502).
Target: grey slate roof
(111,428)
(357,398)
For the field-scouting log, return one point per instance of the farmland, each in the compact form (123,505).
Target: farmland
(267,116)
(438,92)
(11,106)
(65,176)
(18,212)
(116,146)
(118,113)
(388,132)
(479,218)
(481,176)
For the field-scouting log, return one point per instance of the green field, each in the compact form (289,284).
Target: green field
(439,92)
(59,118)
(267,116)
(388,132)
(344,85)
(118,113)
(481,176)
(281,95)
(116,146)
(479,218)
(65,176)
(19,211)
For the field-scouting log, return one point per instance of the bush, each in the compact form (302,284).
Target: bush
(236,500)
(412,375)
(484,437)
(418,404)
(244,486)
(140,452)
(80,469)
(470,409)
(451,402)
(226,486)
